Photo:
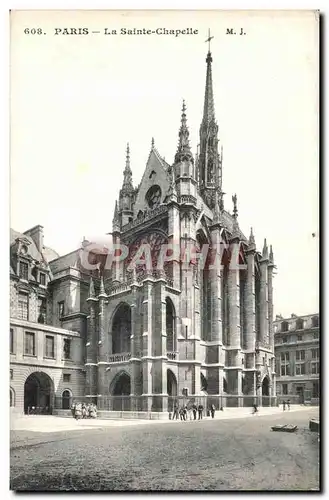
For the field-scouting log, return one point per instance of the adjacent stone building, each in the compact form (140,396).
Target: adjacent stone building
(142,335)
(46,341)
(297,352)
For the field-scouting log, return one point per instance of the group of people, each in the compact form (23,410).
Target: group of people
(83,410)
(184,411)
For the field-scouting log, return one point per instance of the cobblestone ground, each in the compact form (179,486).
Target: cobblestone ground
(237,454)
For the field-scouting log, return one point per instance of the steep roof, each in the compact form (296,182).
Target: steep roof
(68,260)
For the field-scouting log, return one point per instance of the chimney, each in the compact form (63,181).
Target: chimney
(36,233)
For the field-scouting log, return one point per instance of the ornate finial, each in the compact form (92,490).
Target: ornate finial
(217,210)
(152,143)
(172,193)
(183,150)
(221,201)
(265,250)
(91,294)
(127,174)
(102,288)
(209,40)
(251,238)
(116,218)
(235,206)
(271,257)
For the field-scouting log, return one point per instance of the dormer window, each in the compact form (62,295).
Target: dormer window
(24,271)
(299,324)
(284,326)
(315,321)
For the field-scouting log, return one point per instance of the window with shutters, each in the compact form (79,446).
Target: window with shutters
(24,271)
(23,306)
(29,345)
(315,353)
(285,367)
(49,347)
(315,365)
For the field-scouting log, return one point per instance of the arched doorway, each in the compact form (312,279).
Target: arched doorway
(171,389)
(170,325)
(121,329)
(120,390)
(66,400)
(265,392)
(265,387)
(203,383)
(38,393)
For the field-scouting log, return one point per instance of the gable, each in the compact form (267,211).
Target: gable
(155,174)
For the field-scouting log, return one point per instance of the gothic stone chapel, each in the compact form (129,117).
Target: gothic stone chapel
(155,335)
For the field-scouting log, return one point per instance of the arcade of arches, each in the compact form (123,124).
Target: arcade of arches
(121,328)
(38,392)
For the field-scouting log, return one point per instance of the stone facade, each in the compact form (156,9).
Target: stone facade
(46,350)
(199,325)
(297,352)
(191,330)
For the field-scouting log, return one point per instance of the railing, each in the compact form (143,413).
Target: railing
(121,287)
(123,356)
(160,403)
(173,355)
(150,214)
(187,198)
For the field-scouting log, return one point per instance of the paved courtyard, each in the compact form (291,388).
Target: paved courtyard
(221,454)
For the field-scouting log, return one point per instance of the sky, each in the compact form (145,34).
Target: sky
(76,100)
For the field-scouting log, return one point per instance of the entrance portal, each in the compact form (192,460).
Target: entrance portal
(121,393)
(38,393)
(171,389)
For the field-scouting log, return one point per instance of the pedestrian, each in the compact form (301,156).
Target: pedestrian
(284,405)
(73,410)
(194,410)
(254,409)
(175,415)
(288,404)
(212,411)
(200,411)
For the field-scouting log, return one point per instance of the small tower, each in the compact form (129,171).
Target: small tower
(184,163)
(91,345)
(127,193)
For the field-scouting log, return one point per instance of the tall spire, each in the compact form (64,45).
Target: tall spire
(183,150)
(208,108)
(127,185)
(210,163)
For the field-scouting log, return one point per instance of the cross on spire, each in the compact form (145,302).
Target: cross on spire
(209,39)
